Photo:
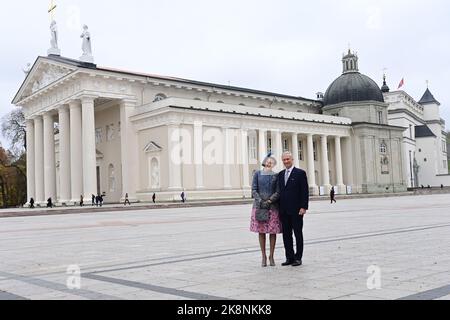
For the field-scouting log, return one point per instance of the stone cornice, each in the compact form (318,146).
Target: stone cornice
(239,110)
(163,117)
(355,104)
(408,112)
(378,126)
(403,97)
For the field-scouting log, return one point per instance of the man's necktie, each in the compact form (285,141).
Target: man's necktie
(286,177)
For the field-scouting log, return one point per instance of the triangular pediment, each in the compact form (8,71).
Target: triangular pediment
(43,73)
(152,147)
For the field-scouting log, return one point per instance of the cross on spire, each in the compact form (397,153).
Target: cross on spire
(52,9)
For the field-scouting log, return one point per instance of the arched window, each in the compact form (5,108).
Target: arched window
(160,97)
(112,178)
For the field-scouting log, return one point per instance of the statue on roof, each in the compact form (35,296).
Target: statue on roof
(86,45)
(86,36)
(54,50)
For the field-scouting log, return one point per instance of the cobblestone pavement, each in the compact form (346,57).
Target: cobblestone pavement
(397,247)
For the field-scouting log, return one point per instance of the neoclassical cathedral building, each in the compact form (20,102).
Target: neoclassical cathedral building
(94,130)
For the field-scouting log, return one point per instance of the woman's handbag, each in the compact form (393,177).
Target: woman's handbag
(263,213)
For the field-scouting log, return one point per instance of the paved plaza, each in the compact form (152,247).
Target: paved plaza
(209,253)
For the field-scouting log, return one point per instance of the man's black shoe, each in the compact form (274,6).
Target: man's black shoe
(297,263)
(288,263)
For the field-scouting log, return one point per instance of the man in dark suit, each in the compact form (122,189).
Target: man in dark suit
(294,202)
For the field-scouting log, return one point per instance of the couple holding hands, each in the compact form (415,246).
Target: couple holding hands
(281,202)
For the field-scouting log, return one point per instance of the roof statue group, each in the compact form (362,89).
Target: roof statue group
(86,45)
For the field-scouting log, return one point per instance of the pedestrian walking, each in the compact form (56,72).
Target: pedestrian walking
(333,195)
(31,203)
(127,201)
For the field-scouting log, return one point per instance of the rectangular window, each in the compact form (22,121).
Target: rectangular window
(380,117)
(328,151)
(315,150)
(269,145)
(300,150)
(285,145)
(252,148)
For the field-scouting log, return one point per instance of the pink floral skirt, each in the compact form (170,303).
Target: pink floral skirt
(273,226)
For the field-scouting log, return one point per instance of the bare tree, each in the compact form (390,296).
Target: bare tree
(14,129)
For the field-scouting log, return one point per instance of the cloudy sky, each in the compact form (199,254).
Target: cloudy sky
(284,46)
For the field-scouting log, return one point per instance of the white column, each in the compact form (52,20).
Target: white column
(49,158)
(348,161)
(295,150)
(198,155)
(227,156)
(244,154)
(64,155)
(76,152)
(31,182)
(311,164)
(174,150)
(39,159)
(277,149)
(325,164)
(129,149)
(89,147)
(338,155)
(262,145)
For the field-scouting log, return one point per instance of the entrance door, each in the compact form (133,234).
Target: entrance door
(98,181)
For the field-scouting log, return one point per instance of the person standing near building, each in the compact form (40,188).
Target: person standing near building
(183,197)
(31,203)
(294,203)
(127,201)
(333,195)
(154,198)
(81,201)
(101,199)
(265,219)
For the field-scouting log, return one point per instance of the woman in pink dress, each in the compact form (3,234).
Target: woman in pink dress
(266,194)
